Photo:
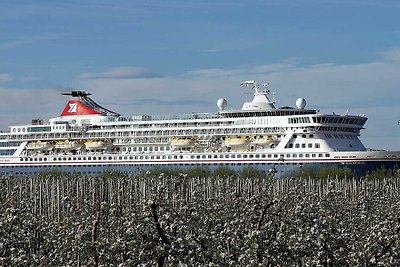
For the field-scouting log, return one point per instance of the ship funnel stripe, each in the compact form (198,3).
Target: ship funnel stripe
(83,105)
(76,107)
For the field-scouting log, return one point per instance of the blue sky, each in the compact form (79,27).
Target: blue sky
(140,57)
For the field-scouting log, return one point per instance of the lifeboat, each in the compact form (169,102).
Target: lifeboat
(236,140)
(40,146)
(96,144)
(178,142)
(263,140)
(68,145)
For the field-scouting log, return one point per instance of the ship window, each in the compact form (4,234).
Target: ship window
(307,155)
(311,136)
(297,145)
(327,155)
(244,156)
(276,155)
(269,155)
(257,156)
(317,145)
(303,145)
(320,155)
(239,156)
(288,155)
(309,145)
(251,156)
(313,155)
(294,155)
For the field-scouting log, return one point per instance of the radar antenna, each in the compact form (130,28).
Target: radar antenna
(256,87)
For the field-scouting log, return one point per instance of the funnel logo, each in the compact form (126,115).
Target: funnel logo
(73,107)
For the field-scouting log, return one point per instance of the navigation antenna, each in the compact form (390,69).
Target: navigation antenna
(257,91)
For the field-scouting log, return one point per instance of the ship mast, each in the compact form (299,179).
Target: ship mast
(261,100)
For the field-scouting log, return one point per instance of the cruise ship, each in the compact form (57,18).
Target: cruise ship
(90,139)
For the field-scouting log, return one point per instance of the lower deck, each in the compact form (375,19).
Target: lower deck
(281,163)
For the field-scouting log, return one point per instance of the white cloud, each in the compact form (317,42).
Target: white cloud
(35,39)
(5,77)
(23,104)
(119,73)
(392,54)
(28,78)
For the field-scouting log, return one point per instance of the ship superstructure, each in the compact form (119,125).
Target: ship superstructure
(88,138)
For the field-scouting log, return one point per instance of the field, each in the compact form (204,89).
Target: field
(167,218)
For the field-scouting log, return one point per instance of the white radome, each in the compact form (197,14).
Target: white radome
(301,103)
(221,103)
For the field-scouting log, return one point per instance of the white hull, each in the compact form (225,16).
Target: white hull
(93,164)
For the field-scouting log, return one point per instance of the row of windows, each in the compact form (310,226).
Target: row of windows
(303,145)
(8,144)
(239,156)
(341,120)
(164,125)
(299,120)
(145,148)
(155,133)
(337,129)
(7,152)
(304,136)
(341,136)
(226,156)
(320,119)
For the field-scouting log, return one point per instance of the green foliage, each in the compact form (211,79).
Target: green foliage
(382,173)
(51,172)
(164,171)
(324,173)
(224,172)
(251,172)
(112,174)
(197,172)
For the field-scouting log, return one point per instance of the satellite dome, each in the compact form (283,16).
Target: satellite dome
(301,103)
(221,103)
